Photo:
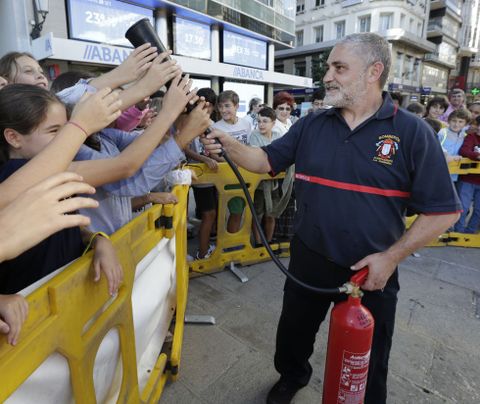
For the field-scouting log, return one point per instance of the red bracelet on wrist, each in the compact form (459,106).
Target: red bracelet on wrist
(78,126)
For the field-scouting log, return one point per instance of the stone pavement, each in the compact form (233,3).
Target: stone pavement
(435,356)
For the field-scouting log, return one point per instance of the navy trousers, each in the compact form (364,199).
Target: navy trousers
(303,312)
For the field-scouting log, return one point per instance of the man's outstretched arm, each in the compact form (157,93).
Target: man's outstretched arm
(253,159)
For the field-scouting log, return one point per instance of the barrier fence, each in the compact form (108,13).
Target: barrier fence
(74,319)
(120,349)
(232,247)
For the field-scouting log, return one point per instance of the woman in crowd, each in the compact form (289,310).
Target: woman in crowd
(283,105)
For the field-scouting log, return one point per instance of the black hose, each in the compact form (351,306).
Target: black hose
(323,291)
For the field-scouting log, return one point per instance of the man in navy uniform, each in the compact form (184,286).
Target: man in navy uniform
(359,166)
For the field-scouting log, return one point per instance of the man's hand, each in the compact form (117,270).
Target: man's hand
(214,148)
(380,267)
(13,312)
(105,260)
(195,124)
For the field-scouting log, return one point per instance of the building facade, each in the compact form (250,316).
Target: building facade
(433,42)
(222,44)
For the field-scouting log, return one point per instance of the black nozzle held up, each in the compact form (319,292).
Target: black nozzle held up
(142,32)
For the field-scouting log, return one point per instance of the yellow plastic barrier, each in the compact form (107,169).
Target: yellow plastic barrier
(71,315)
(463,167)
(232,247)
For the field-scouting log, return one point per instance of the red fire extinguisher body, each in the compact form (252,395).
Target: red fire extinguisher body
(348,354)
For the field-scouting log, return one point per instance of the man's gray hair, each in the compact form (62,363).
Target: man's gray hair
(371,48)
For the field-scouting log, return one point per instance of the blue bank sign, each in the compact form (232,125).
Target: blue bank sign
(247,73)
(105,54)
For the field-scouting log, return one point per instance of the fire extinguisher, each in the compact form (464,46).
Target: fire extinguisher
(349,344)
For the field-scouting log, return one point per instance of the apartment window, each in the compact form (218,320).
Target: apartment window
(398,65)
(408,74)
(385,21)
(300,68)
(419,29)
(416,69)
(340,29)
(300,6)
(410,28)
(402,21)
(318,33)
(319,3)
(299,36)
(364,23)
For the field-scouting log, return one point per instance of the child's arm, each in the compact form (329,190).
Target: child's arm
(131,159)
(211,163)
(42,211)
(92,114)
(131,69)
(104,260)
(467,149)
(161,198)
(13,312)
(160,72)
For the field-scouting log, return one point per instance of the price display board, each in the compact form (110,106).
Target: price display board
(192,39)
(104,21)
(243,50)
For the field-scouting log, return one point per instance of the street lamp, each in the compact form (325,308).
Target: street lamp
(40,11)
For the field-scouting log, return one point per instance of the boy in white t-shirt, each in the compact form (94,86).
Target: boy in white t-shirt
(240,129)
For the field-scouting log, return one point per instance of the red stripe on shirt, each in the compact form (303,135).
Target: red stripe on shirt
(352,187)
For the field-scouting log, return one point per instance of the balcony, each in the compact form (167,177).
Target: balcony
(436,57)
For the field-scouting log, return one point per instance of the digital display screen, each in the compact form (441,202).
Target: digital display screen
(243,50)
(104,21)
(192,39)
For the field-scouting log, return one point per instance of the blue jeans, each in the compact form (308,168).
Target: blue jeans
(468,192)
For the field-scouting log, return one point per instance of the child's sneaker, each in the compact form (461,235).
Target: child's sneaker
(211,249)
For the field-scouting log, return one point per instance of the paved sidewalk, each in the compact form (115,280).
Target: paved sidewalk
(436,349)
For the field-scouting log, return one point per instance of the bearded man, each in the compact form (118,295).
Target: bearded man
(359,166)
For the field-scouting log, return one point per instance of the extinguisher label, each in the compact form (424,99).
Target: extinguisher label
(353,377)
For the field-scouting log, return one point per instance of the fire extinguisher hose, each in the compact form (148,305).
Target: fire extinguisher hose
(323,291)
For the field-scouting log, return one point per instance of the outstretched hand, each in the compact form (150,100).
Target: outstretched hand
(42,211)
(96,111)
(137,63)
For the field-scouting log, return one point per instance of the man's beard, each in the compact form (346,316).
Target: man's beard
(345,97)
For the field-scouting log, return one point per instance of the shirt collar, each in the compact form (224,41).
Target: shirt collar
(386,110)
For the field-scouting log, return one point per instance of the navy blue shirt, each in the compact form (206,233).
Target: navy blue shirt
(353,187)
(52,253)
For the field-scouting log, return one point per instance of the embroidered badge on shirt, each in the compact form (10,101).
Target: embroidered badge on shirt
(387,147)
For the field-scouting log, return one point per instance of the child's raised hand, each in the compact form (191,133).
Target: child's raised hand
(42,211)
(137,63)
(96,111)
(160,72)
(179,95)
(105,260)
(13,312)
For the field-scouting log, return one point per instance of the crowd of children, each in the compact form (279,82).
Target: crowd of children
(458,131)
(78,160)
